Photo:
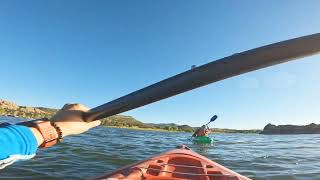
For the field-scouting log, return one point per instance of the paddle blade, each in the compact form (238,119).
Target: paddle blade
(213,118)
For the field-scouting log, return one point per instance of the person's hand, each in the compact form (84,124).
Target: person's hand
(70,120)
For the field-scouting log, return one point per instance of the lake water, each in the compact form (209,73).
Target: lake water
(103,149)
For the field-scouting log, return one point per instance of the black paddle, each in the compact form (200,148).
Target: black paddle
(227,67)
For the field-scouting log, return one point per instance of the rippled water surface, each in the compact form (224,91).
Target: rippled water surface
(103,149)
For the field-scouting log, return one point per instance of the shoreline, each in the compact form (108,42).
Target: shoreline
(143,129)
(13,110)
(163,130)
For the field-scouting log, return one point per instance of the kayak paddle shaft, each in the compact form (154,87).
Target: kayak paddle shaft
(212,72)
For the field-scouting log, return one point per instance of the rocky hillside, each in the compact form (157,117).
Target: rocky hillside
(8,108)
(291,129)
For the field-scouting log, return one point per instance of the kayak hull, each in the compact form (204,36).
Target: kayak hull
(177,164)
(203,140)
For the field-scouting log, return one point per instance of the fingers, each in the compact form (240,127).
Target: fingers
(75,107)
(94,123)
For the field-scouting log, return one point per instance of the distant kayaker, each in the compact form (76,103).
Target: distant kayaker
(203,131)
(21,141)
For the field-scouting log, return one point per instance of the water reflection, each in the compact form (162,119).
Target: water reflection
(105,149)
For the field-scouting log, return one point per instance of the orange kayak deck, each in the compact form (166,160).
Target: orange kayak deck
(177,164)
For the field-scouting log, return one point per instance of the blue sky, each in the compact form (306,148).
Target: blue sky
(91,52)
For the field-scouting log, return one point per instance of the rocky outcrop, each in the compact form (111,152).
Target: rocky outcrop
(8,104)
(31,110)
(8,108)
(291,129)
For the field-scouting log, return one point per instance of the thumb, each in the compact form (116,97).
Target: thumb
(94,123)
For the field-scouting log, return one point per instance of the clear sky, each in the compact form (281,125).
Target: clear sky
(91,52)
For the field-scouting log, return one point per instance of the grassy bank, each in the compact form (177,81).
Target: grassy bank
(215,131)
(142,129)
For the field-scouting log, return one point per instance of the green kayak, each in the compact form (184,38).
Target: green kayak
(203,139)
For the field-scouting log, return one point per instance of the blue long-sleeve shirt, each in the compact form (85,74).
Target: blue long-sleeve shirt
(17,142)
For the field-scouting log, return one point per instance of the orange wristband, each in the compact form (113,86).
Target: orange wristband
(49,132)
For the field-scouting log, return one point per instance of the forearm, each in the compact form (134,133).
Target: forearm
(22,140)
(37,135)
(19,139)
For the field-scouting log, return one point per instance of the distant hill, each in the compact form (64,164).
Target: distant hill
(173,127)
(192,129)
(124,121)
(291,129)
(222,130)
(8,108)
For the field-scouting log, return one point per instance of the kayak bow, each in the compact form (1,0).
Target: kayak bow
(177,164)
